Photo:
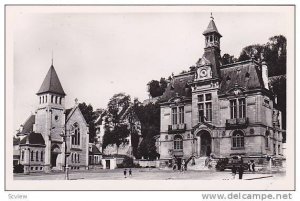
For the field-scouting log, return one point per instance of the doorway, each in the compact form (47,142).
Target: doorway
(205,147)
(107,164)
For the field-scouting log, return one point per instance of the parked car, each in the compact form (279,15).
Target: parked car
(227,163)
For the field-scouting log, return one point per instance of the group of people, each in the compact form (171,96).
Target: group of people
(129,173)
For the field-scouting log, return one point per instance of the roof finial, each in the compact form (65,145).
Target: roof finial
(211,16)
(52,59)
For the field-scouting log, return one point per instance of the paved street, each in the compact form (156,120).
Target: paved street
(146,174)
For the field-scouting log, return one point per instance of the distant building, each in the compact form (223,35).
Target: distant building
(127,117)
(42,147)
(95,155)
(224,110)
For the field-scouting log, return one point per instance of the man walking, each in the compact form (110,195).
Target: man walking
(233,170)
(241,171)
(125,172)
(130,172)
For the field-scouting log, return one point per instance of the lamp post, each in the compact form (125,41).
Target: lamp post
(64,135)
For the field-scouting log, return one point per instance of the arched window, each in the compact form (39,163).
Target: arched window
(42,156)
(238,139)
(56,99)
(178,142)
(51,98)
(31,157)
(43,99)
(37,156)
(22,155)
(60,100)
(46,99)
(40,99)
(78,158)
(76,136)
(267,137)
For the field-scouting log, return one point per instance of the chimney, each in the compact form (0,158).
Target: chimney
(264,70)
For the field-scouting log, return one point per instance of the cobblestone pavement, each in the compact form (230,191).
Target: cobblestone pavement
(147,174)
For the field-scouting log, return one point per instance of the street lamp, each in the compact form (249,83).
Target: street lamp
(64,135)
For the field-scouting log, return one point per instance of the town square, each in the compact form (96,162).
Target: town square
(157,94)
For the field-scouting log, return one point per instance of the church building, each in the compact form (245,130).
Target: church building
(219,110)
(54,136)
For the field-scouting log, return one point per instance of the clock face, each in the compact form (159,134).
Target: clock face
(203,73)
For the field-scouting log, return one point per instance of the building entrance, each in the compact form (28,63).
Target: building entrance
(205,145)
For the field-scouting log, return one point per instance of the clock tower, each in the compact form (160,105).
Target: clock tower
(209,64)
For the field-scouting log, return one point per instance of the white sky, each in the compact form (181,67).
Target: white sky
(99,54)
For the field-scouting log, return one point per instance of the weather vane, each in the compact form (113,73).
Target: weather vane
(211,16)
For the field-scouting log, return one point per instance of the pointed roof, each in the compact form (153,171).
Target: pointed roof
(211,28)
(51,83)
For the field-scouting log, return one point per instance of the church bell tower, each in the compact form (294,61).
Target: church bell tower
(50,119)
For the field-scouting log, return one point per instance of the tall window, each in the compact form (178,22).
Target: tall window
(238,139)
(42,156)
(267,136)
(76,136)
(37,156)
(181,115)
(56,99)
(208,111)
(52,98)
(201,112)
(205,107)
(178,142)
(31,156)
(46,99)
(242,108)
(22,155)
(238,108)
(60,100)
(78,158)
(233,109)
(174,115)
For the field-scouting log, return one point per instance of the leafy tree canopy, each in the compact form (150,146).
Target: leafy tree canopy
(88,114)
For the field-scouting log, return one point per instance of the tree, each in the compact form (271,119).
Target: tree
(116,131)
(157,88)
(228,59)
(117,105)
(149,116)
(88,114)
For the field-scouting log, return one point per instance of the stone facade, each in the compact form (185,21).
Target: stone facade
(52,127)
(220,110)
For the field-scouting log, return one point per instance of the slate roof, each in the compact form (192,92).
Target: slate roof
(33,139)
(178,86)
(211,28)
(28,125)
(246,75)
(51,83)
(95,151)
(16,141)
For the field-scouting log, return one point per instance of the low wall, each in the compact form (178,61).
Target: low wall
(146,163)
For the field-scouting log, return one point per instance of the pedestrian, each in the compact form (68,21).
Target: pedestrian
(233,170)
(249,165)
(183,166)
(130,172)
(253,166)
(125,172)
(241,171)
